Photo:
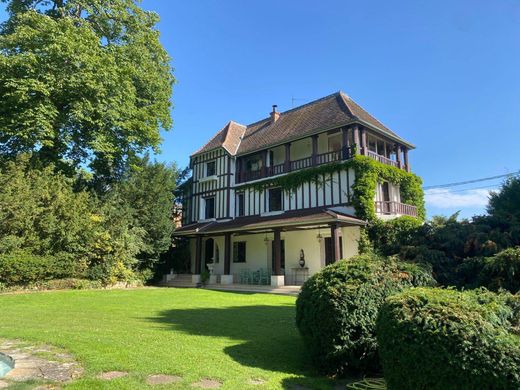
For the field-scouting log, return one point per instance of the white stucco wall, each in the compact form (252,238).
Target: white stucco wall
(258,253)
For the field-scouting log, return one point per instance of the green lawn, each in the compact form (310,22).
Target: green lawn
(231,337)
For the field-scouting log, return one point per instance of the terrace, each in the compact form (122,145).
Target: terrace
(318,149)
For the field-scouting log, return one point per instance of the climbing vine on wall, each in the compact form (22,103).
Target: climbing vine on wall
(368,173)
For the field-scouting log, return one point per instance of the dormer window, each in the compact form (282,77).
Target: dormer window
(211,168)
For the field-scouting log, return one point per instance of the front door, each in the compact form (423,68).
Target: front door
(208,251)
(329,249)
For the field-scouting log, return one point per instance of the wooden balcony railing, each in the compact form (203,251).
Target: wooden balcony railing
(395,208)
(295,165)
(383,159)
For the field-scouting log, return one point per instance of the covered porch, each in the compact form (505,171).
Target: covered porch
(276,250)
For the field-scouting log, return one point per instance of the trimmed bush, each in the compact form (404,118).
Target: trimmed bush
(22,268)
(337,308)
(445,339)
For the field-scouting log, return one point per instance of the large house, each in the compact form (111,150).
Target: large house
(274,201)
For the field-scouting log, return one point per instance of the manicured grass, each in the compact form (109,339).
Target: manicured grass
(195,334)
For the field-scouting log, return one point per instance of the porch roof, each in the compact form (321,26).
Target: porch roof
(288,220)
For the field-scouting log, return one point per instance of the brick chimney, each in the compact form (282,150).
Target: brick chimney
(275,114)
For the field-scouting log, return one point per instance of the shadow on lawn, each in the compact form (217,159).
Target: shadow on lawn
(268,335)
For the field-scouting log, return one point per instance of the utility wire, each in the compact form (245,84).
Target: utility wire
(471,181)
(447,192)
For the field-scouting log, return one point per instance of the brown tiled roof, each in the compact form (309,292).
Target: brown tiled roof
(228,138)
(306,217)
(328,112)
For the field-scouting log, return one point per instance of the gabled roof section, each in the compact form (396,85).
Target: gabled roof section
(323,114)
(228,137)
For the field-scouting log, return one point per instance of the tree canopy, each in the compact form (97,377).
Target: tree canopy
(82,82)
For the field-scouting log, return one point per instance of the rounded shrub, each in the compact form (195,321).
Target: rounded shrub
(337,308)
(431,338)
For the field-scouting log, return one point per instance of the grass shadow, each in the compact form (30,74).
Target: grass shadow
(267,334)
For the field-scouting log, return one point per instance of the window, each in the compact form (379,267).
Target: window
(275,199)
(209,211)
(210,168)
(239,252)
(240,205)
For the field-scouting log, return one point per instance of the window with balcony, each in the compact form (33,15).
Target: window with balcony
(335,142)
(275,199)
(211,168)
(209,208)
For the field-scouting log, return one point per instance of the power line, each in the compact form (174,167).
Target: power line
(447,192)
(471,181)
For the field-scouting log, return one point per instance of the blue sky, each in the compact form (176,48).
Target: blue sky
(444,75)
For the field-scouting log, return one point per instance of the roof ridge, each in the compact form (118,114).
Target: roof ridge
(385,127)
(300,107)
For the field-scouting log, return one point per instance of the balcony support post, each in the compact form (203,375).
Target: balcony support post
(287,163)
(364,149)
(406,161)
(198,254)
(356,138)
(345,143)
(398,153)
(315,149)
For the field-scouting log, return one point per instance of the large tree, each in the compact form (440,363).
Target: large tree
(82,82)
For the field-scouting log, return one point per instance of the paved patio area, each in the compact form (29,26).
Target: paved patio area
(284,290)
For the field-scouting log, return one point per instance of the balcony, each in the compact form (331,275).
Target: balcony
(395,208)
(295,165)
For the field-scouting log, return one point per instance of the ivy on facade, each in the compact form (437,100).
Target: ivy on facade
(368,173)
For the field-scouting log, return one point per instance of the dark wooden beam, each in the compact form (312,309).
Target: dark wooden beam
(314,149)
(198,254)
(227,254)
(287,162)
(345,142)
(277,244)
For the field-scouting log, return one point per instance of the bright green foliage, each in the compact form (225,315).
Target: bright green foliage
(23,268)
(505,203)
(149,192)
(109,239)
(368,173)
(444,339)
(390,236)
(82,81)
(337,308)
(41,214)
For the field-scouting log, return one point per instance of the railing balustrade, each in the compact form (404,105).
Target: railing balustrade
(392,208)
(311,161)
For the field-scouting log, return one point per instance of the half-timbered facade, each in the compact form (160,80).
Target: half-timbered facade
(250,214)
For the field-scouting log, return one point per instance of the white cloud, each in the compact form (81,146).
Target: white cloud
(446,198)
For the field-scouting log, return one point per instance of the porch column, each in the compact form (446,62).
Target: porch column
(334,233)
(198,259)
(287,162)
(364,149)
(356,139)
(227,278)
(277,278)
(406,161)
(345,143)
(315,149)
(398,155)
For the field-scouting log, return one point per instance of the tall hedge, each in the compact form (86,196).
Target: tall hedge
(445,339)
(337,309)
